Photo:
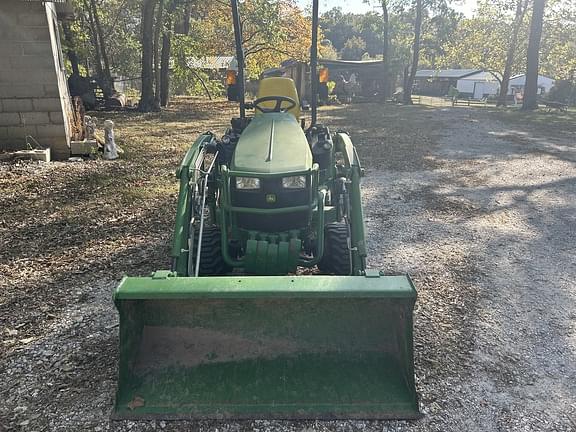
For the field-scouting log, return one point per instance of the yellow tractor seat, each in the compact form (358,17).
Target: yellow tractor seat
(278,86)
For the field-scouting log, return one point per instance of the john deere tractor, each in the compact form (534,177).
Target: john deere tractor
(268,310)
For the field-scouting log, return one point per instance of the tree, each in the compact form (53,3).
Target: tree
(165,57)
(70,45)
(411,76)
(147,99)
(521,7)
(532,64)
(159,25)
(439,25)
(102,64)
(354,49)
(478,41)
(558,45)
(385,49)
(338,27)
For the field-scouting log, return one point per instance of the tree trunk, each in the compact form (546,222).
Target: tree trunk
(147,102)
(165,56)
(106,79)
(521,6)
(531,86)
(165,69)
(385,50)
(71,52)
(157,31)
(94,37)
(409,82)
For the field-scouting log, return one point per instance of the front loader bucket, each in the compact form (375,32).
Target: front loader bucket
(259,347)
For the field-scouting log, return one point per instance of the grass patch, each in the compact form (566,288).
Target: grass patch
(551,123)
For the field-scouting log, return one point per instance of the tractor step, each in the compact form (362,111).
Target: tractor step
(270,347)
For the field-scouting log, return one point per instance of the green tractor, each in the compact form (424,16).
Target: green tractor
(268,310)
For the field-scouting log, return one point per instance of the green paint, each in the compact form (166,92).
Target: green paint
(148,288)
(267,347)
(272,143)
(186,174)
(305,386)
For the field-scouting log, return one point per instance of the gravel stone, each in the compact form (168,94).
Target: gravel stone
(480,212)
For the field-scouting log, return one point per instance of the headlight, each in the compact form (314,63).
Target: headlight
(247,183)
(295,182)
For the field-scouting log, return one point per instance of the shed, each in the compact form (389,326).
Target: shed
(431,82)
(518,82)
(368,72)
(34,97)
(478,85)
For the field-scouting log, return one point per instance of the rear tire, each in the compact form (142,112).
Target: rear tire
(336,258)
(211,260)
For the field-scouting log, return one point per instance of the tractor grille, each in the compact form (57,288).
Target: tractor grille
(257,199)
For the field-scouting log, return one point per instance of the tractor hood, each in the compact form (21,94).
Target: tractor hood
(272,143)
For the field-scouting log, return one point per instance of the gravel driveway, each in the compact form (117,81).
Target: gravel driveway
(482,215)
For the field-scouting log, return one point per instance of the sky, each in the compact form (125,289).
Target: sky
(359,6)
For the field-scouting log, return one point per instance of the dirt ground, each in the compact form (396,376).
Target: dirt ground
(478,206)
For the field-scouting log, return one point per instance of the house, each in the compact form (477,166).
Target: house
(478,85)
(34,97)
(430,82)
(518,82)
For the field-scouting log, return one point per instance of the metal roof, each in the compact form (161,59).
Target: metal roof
(446,73)
(350,62)
(352,65)
(480,76)
(210,62)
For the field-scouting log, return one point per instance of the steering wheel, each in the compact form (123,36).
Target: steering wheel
(277,107)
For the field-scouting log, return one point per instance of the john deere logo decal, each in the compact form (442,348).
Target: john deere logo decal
(270,198)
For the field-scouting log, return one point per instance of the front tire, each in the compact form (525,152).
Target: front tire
(211,260)
(336,259)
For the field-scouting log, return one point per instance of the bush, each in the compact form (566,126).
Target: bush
(563,91)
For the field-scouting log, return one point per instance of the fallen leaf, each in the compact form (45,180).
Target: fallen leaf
(137,402)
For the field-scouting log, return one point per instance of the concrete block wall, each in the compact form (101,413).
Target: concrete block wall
(33,94)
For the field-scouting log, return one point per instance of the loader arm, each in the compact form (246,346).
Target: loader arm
(344,144)
(188,173)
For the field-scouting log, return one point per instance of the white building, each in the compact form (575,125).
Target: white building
(478,85)
(518,82)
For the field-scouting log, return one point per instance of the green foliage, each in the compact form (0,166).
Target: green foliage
(192,82)
(275,30)
(558,46)
(438,32)
(563,91)
(339,27)
(477,43)
(187,81)
(354,48)
(481,41)
(121,27)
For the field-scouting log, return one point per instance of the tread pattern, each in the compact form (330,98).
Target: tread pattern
(211,260)
(336,259)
